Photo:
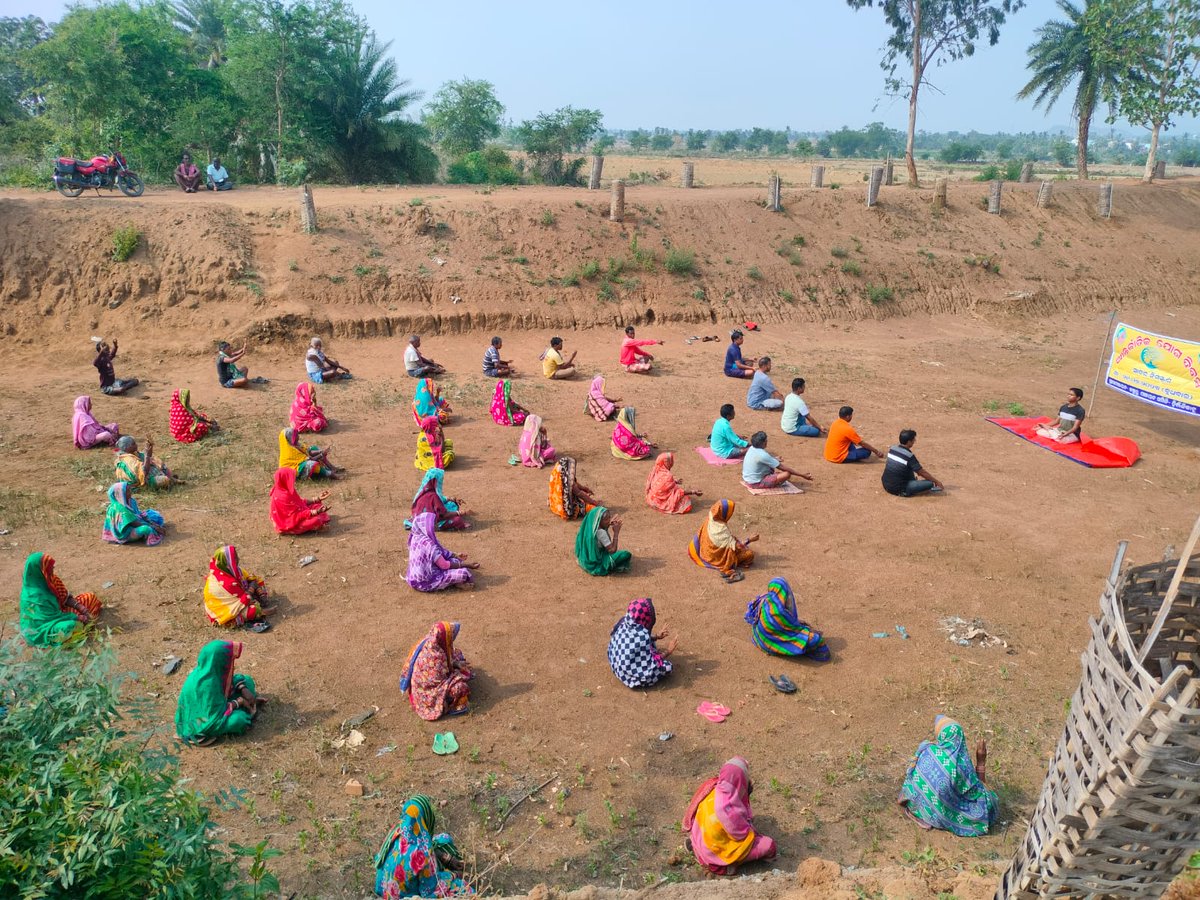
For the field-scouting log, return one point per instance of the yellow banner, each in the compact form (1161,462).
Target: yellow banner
(1158,370)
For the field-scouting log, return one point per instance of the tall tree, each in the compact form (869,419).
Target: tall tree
(551,136)
(932,32)
(361,101)
(464,115)
(1153,46)
(18,98)
(695,140)
(1062,56)
(206,22)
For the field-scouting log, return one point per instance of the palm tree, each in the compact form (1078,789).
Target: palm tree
(362,100)
(1062,56)
(204,21)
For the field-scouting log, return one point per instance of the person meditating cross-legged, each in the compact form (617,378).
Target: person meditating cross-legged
(569,499)
(142,469)
(86,431)
(215,701)
(943,789)
(49,613)
(844,444)
(633,357)
(1068,428)
(321,368)
(715,547)
(597,544)
(761,469)
(187,175)
(720,824)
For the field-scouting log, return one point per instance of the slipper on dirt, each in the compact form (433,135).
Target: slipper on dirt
(445,744)
(514,460)
(714,712)
(259,627)
(750,326)
(783,684)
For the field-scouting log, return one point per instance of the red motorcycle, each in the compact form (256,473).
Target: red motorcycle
(73,176)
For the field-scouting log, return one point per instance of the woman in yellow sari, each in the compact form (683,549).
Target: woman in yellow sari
(310,462)
(716,548)
(142,469)
(434,449)
(720,824)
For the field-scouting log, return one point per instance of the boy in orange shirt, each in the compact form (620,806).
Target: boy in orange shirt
(844,444)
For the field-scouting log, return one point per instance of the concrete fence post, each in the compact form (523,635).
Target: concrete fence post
(597,169)
(308,212)
(873,185)
(616,211)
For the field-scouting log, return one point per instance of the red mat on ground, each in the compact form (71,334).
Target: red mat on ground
(1101,453)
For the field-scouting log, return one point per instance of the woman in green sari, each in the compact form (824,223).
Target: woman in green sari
(49,613)
(597,543)
(214,701)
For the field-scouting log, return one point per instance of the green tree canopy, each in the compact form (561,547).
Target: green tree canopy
(464,115)
(551,136)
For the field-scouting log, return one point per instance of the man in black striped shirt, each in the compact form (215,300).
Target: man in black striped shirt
(903,475)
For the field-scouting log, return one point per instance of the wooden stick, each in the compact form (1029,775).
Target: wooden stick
(1172,590)
(1100,363)
(538,788)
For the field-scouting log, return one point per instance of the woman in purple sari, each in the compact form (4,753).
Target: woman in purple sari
(431,567)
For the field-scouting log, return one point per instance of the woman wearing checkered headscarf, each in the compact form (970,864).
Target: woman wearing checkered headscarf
(632,649)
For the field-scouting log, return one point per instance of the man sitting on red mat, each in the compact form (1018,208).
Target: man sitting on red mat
(1070,420)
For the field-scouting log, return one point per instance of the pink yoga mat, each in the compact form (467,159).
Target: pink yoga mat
(713,460)
(786,488)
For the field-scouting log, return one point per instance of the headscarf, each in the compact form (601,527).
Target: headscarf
(227,589)
(732,798)
(715,547)
(291,456)
(439,476)
(84,427)
(432,429)
(427,401)
(125,444)
(123,517)
(43,620)
(186,426)
(662,491)
(626,442)
(597,404)
(289,511)
(777,628)
(719,819)
(204,698)
(407,863)
(504,412)
(563,501)
(429,499)
(942,788)
(632,653)
(593,558)
(533,448)
(436,674)
(306,414)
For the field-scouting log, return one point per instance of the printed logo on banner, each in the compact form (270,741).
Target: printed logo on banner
(1159,370)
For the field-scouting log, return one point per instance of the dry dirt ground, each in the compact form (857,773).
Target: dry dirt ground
(1021,539)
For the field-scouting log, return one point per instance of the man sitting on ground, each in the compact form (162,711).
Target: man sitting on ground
(762,469)
(763,394)
(187,175)
(493,365)
(553,364)
(218,178)
(902,472)
(797,420)
(1071,414)
(229,375)
(843,444)
(723,441)
(109,383)
(416,365)
(320,367)
(735,366)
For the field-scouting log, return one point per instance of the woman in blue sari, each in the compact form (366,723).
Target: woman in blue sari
(415,862)
(428,402)
(945,789)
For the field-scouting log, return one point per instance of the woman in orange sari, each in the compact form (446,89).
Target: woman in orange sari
(716,548)
(568,498)
(664,491)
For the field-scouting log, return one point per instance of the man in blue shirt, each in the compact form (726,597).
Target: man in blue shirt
(723,441)
(763,394)
(218,178)
(735,367)
(764,470)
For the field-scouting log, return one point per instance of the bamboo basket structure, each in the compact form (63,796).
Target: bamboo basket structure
(1119,812)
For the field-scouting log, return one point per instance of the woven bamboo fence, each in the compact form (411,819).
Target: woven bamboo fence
(1119,812)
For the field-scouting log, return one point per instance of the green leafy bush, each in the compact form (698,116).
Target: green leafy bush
(880,294)
(87,807)
(125,241)
(755,273)
(488,166)
(839,252)
(292,171)
(850,267)
(680,262)
(547,218)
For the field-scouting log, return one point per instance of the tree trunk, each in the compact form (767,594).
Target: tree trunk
(918,71)
(1148,176)
(1085,125)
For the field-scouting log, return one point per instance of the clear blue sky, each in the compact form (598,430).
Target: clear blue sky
(810,64)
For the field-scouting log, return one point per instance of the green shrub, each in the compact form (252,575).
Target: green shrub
(547,218)
(879,294)
(787,296)
(834,186)
(606,292)
(699,294)
(589,270)
(1016,409)
(839,252)
(87,809)
(488,166)
(292,172)
(416,201)
(755,273)
(680,262)
(850,267)
(798,240)
(643,259)
(125,241)
(615,267)
(570,279)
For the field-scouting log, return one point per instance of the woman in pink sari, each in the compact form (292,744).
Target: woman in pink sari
(598,406)
(720,825)
(87,431)
(504,410)
(535,450)
(626,442)
(306,415)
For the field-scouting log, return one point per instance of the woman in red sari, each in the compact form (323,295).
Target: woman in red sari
(291,513)
(664,491)
(188,425)
(437,675)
